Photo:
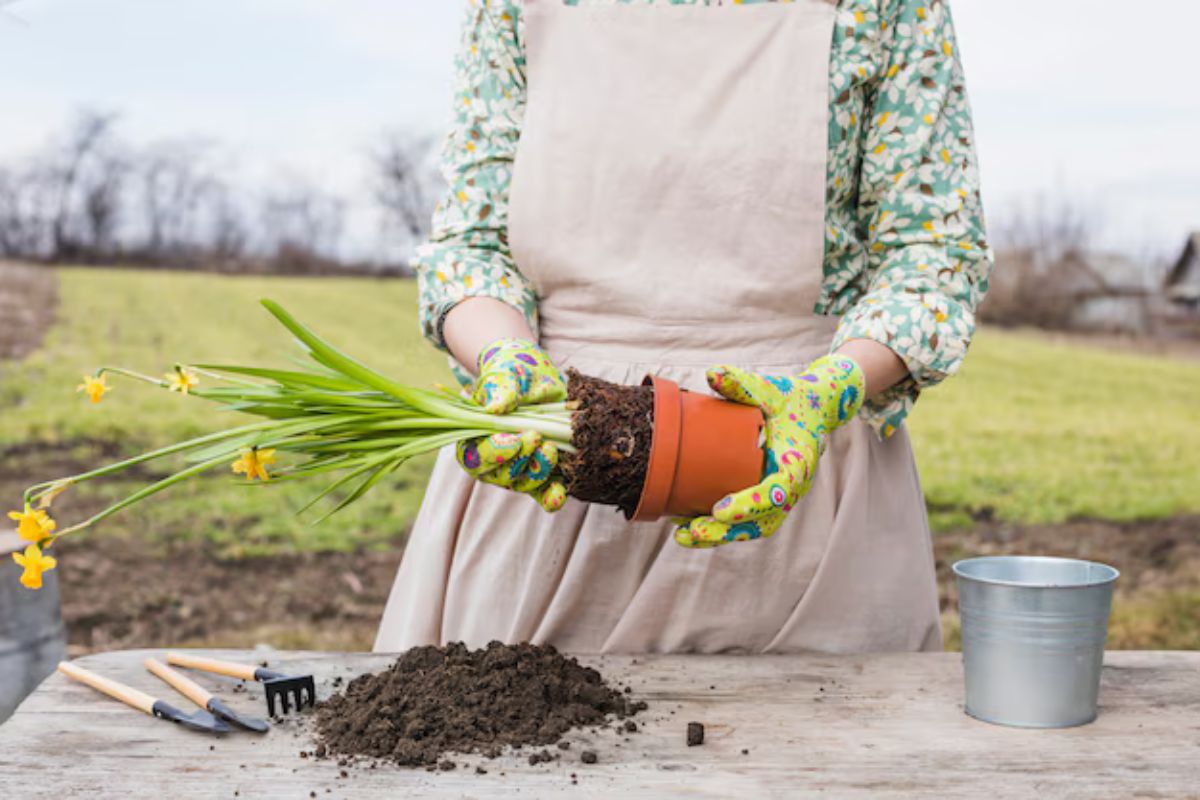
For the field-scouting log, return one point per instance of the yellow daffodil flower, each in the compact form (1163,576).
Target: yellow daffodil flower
(182,380)
(94,387)
(33,525)
(253,463)
(35,564)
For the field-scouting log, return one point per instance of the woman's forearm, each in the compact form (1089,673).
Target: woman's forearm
(476,322)
(882,368)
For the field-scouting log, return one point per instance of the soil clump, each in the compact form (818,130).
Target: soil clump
(611,433)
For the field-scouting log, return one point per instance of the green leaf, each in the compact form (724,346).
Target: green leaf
(289,377)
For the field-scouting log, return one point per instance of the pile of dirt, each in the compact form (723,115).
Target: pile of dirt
(611,433)
(439,700)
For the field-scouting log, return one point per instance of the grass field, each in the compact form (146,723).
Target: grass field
(1036,432)
(1029,432)
(147,321)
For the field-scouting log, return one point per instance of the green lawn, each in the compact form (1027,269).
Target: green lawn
(1038,432)
(1028,431)
(148,320)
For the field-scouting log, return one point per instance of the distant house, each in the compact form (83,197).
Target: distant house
(1178,311)
(1083,291)
(1182,286)
(1109,291)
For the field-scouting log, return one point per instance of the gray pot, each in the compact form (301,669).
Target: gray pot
(1033,632)
(32,640)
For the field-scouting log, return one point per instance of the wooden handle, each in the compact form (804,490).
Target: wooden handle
(126,694)
(182,683)
(230,668)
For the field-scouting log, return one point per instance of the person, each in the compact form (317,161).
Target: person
(777,199)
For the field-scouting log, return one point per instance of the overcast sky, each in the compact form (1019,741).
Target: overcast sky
(1097,101)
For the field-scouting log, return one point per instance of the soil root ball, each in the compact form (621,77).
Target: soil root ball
(438,700)
(611,433)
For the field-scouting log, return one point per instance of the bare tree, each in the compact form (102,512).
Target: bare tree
(90,196)
(405,182)
(26,208)
(228,237)
(175,181)
(101,198)
(1041,262)
(1052,227)
(11,219)
(89,136)
(302,227)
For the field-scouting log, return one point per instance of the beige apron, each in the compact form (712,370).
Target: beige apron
(668,205)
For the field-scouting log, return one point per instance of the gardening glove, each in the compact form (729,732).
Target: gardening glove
(800,413)
(521,462)
(515,372)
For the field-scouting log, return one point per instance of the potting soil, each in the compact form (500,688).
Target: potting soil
(438,700)
(611,433)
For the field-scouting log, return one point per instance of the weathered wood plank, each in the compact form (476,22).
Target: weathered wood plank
(885,725)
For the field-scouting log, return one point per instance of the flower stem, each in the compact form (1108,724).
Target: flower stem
(141,494)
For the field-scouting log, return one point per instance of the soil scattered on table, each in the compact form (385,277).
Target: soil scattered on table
(541,757)
(438,700)
(611,433)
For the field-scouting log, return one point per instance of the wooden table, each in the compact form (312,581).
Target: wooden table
(886,725)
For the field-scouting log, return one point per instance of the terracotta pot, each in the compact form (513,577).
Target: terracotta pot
(703,448)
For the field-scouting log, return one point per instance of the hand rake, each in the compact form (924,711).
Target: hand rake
(294,692)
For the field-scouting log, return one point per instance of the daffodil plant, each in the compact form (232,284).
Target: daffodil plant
(334,418)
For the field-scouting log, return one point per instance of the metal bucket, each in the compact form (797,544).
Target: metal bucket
(1033,632)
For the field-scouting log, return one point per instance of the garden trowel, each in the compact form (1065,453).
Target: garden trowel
(204,698)
(199,721)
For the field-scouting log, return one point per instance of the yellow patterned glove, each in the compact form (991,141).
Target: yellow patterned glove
(801,412)
(520,462)
(515,372)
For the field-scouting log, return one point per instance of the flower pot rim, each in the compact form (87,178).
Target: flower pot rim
(664,448)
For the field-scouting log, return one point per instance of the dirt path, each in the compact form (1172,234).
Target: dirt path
(28,298)
(1153,555)
(113,597)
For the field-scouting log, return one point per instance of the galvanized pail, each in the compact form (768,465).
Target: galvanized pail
(1033,632)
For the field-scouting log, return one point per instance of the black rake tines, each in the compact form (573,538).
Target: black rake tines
(292,692)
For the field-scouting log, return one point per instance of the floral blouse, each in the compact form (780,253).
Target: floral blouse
(906,255)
